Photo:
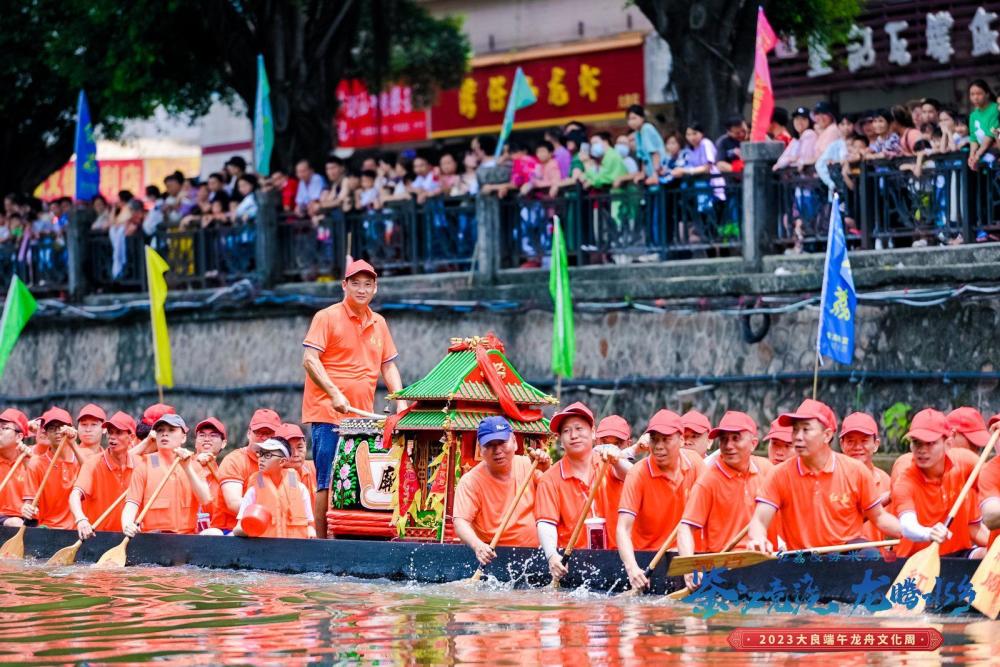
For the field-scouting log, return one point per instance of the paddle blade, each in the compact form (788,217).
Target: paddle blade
(65,556)
(14,547)
(113,557)
(986,583)
(923,568)
(679,595)
(732,560)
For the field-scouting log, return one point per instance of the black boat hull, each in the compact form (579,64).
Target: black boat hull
(830,580)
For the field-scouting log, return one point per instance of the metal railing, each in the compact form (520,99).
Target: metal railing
(42,263)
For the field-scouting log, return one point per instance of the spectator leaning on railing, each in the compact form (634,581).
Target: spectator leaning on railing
(728,145)
(310,189)
(983,121)
(800,151)
(649,148)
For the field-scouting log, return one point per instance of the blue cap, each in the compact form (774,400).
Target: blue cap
(492,429)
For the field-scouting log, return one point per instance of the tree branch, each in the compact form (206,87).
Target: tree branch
(324,43)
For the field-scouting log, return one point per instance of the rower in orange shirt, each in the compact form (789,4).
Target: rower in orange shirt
(278,489)
(655,492)
(925,492)
(613,430)
(90,427)
(209,441)
(486,492)
(723,499)
(961,442)
(176,508)
(989,492)
(52,508)
(297,447)
(562,491)
(238,466)
(696,429)
(779,443)
(13,431)
(859,440)
(104,477)
(823,496)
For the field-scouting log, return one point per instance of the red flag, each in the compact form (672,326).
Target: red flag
(763,94)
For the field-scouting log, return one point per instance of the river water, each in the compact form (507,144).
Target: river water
(183,616)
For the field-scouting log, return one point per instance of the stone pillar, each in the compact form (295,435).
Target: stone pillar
(760,199)
(267,254)
(486,261)
(77,232)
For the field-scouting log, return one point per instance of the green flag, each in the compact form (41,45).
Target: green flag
(17,310)
(563,337)
(521,95)
(263,124)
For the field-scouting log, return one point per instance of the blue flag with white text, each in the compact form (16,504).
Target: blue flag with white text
(839,301)
(88,176)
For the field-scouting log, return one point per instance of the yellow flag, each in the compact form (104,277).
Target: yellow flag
(155,268)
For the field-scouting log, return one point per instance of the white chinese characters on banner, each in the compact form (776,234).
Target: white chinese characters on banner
(819,60)
(939,36)
(898,52)
(860,53)
(984,40)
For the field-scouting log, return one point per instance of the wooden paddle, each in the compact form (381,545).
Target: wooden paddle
(575,535)
(924,566)
(505,519)
(10,473)
(115,556)
(67,555)
(684,592)
(736,559)
(14,547)
(365,413)
(986,583)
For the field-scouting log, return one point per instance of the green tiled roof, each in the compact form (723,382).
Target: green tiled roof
(461,420)
(446,381)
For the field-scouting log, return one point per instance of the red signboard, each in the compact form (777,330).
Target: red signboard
(585,85)
(365,120)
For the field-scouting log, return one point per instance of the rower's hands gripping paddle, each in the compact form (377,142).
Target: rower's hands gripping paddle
(115,556)
(507,516)
(14,547)
(692,580)
(575,535)
(924,566)
(667,543)
(67,555)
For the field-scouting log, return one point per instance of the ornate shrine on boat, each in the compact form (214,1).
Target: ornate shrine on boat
(395,478)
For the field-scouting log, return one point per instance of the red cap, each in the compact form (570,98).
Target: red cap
(994,420)
(577,409)
(695,421)
(779,432)
(810,409)
(665,422)
(615,427)
(56,415)
(265,418)
(289,431)
(734,421)
(970,423)
(359,266)
(17,418)
(91,410)
(929,425)
(213,423)
(155,411)
(859,422)
(121,421)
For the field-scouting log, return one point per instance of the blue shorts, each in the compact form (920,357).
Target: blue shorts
(324,442)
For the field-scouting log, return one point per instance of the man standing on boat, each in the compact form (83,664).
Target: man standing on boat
(655,492)
(104,477)
(346,348)
(485,493)
(859,440)
(837,490)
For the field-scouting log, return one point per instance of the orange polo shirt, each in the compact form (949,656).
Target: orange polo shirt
(722,502)
(219,515)
(883,484)
(352,350)
(657,499)
(482,500)
(989,488)
(820,508)
(175,510)
(906,460)
(101,481)
(53,504)
(932,499)
(560,496)
(12,495)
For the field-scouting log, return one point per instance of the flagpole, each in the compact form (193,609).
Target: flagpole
(559,388)
(816,376)
(822,300)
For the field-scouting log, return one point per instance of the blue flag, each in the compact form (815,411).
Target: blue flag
(263,124)
(521,95)
(839,300)
(88,176)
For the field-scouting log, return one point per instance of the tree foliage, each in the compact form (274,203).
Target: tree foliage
(181,54)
